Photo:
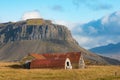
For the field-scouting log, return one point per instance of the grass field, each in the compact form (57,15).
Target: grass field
(12,71)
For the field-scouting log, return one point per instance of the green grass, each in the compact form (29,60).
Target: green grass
(13,71)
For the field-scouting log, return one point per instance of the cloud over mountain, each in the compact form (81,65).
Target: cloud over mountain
(99,32)
(31,14)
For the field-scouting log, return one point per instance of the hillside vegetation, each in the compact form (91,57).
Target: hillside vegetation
(13,71)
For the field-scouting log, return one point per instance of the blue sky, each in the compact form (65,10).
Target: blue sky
(67,10)
(75,14)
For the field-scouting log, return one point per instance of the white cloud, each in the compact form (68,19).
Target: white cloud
(112,18)
(91,42)
(118,13)
(80,30)
(105,19)
(31,15)
(92,30)
(83,41)
(69,25)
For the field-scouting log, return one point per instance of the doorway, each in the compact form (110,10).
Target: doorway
(68,64)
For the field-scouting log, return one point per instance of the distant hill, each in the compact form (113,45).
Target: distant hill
(40,36)
(111,50)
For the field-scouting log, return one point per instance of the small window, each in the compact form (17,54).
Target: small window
(67,63)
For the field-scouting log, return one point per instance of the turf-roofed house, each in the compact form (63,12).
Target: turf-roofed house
(70,60)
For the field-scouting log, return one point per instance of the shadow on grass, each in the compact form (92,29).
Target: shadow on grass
(15,66)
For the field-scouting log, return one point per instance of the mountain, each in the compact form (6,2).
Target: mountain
(18,39)
(110,50)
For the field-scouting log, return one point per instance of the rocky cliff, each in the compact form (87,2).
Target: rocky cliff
(11,32)
(38,36)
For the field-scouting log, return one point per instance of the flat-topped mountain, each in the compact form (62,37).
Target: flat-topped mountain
(37,29)
(18,39)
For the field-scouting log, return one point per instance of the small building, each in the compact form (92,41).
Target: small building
(51,63)
(55,60)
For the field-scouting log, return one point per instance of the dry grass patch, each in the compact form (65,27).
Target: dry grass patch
(8,72)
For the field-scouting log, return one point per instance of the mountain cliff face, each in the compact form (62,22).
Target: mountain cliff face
(10,32)
(39,36)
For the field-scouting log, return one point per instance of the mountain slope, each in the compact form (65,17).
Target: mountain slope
(111,50)
(39,36)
